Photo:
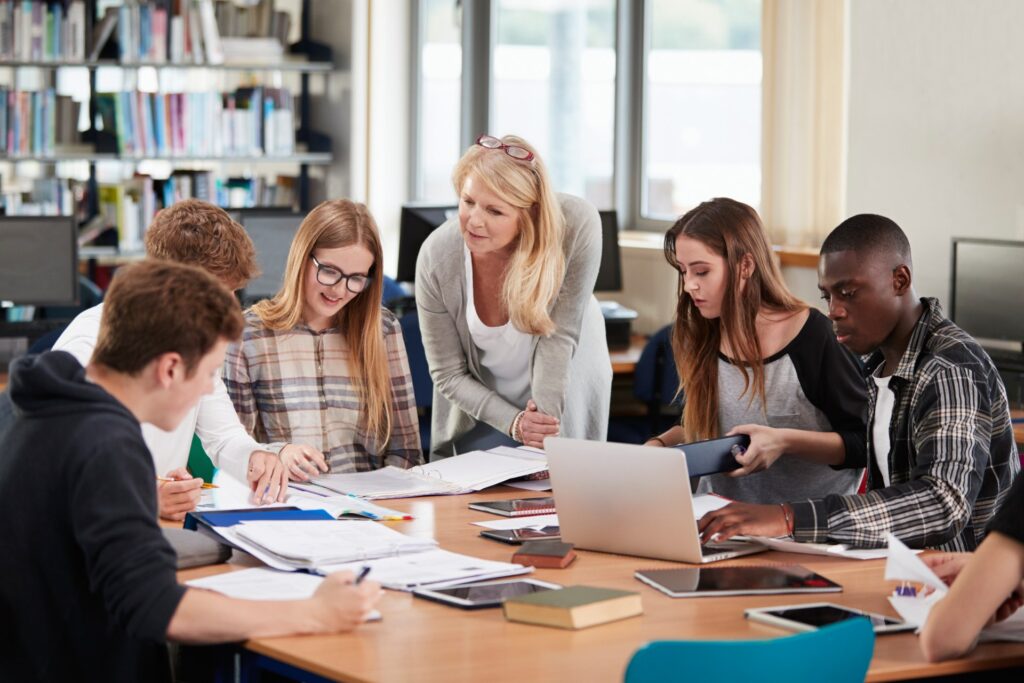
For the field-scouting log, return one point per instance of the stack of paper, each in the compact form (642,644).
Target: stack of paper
(434,568)
(464,473)
(311,544)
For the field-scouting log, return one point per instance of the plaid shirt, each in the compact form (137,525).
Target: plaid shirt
(952,456)
(293,386)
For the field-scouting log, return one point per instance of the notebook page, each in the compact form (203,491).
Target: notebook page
(434,567)
(327,542)
(479,469)
(387,482)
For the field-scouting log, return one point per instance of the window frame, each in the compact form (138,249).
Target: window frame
(632,33)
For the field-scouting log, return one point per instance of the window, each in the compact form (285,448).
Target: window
(440,100)
(554,85)
(702,104)
(684,76)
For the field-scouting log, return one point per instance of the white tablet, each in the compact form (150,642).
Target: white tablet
(814,615)
(484,594)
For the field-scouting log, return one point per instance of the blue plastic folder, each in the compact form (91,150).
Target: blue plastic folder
(193,520)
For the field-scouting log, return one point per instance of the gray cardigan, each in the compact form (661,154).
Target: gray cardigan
(570,371)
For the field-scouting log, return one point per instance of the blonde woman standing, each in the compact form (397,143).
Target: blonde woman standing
(322,364)
(513,335)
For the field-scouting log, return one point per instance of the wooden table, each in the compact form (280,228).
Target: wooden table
(422,641)
(1018,427)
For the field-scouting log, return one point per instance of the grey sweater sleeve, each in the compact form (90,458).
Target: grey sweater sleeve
(439,299)
(550,378)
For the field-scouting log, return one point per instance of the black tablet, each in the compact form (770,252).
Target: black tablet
(485,594)
(718,581)
(517,536)
(714,455)
(813,616)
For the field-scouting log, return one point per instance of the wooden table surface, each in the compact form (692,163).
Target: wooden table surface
(423,641)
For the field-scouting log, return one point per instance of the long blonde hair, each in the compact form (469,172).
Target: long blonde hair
(332,224)
(535,273)
(732,230)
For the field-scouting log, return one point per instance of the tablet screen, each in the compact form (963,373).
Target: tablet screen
(491,592)
(823,615)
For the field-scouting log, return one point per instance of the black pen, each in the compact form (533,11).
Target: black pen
(362,574)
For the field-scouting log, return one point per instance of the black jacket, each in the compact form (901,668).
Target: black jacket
(87,581)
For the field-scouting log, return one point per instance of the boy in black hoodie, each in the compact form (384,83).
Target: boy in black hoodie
(87,581)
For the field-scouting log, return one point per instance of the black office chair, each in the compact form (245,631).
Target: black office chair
(655,382)
(422,384)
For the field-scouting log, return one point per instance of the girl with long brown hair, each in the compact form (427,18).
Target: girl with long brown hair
(754,359)
(322,363)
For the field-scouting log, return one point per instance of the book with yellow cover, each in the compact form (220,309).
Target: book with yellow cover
(574,607)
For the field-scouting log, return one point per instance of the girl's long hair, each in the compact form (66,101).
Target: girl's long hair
(332,224)
(535,273)
(732,230)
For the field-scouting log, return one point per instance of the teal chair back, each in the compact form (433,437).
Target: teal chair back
(839,653)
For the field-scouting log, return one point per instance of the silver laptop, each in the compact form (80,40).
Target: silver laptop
(631,500)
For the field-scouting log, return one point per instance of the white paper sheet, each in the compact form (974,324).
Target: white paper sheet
(436,567)
(530,522)
(265,584)
(706,503)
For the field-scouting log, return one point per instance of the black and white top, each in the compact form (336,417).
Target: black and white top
(813,384)
(952,457)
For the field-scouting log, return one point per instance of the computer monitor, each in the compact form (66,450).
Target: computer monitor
(272,233)
(987,288)
(417,222)
(39,260)
(609,277)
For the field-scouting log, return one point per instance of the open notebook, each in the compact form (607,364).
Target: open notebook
(464,473)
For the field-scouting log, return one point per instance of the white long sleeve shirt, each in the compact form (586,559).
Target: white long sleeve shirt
(213,419)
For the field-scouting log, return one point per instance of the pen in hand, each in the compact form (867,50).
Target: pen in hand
(206,485)
(362,574)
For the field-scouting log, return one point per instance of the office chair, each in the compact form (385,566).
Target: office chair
(842,650)
(396,299)
(422,384)
(655,381)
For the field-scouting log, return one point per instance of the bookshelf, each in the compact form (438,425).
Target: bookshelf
(92,35)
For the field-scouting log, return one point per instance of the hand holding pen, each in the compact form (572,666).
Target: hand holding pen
(178,493)
(344,601)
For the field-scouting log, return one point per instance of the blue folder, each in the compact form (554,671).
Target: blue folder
(231,517)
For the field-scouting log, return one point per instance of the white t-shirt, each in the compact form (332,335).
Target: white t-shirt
(884,404)
(213,419)
(504,351)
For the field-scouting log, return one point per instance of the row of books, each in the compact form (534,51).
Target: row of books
(142,33)
(130,206)
(246,122)
(36,122)
(257,20)
(195,32)
(40,31)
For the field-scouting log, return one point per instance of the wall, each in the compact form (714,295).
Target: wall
(936,139)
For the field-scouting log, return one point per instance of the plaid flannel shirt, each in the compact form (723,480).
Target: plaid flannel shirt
(293,386)
(952,456)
